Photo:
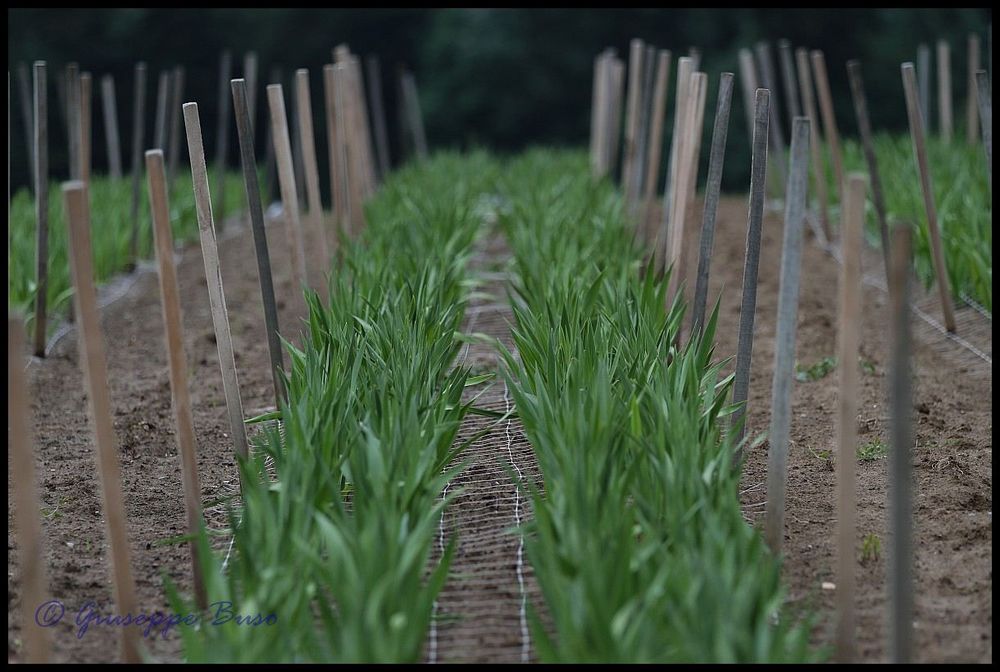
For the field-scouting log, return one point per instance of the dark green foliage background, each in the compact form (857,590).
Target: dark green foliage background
(500,78)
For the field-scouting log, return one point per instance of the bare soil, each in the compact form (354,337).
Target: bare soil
(480,609)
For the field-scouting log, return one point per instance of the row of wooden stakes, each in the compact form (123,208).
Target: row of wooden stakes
(353,181)
(640,163)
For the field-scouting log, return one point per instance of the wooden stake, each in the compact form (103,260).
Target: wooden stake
(788,80)
(174,338)
(849,335)
(748,78)
(364,128)
(73,117)
(298,168)
(770,82)
(213,277)
(656,134)
(355,198)
(868,146)
(416,117)
(595,102)
(603,116)
(286,179)
(335,156)
(24,88)
(27,510)
(985,99)
(138,128)
(162,103)
(378,112)
(315,213)
(615,118)
(687,179)
(241,106)
(676,141)
(111,127)
(636,51)
(815,146)
(944,90)
(645,121)
(923,166)
(85,125)
(250,78)
(900,561)
(748,304)
(783,377)
(95,373)
(270,163)
(174,142)
(972,121)
(924,77)
(713,185)
(829,120)
(41,189)
(62,96)
(222,137)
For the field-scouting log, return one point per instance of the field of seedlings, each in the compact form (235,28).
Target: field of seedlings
(282,391)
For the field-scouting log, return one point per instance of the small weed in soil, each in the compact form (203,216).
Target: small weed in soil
(820,369)
(873,450)
(871,548)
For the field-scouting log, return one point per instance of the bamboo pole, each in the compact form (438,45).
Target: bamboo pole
(111,127)
(24,89)
(95,371)
(900,561)
(73,118)
(944,90)
(748,303)
(923,167)
(868,146)
(162,103)
(636,51)
(713,185)
(829,120)
(924,77)
(972,120)
(849,335)
(815,146)
(174,136)
(86,128)
(676,140)
(308,141)
(222,137)
(176,360)
(244,128)
(337,194)
(788,80)
(783,376)
(213,278)
(27,510)
(378,112)
(286,180)
(138,128)
(688,183)
(656,134)
(41,189)
(985,99)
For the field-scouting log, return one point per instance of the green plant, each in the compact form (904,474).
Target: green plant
(871,548)
(815,371)
(872,450)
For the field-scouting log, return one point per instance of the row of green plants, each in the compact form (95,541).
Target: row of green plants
(963,199)
(110,231)
(342,496)
(638,541)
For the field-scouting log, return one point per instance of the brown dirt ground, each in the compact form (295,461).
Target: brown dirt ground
(481,604)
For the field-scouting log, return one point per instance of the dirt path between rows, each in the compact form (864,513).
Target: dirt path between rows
(481,610)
